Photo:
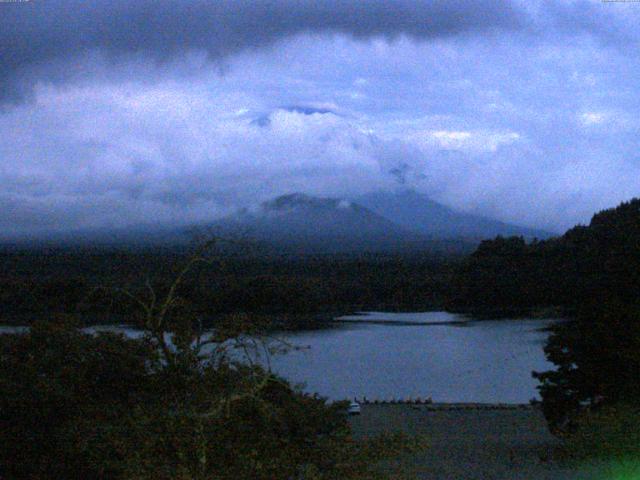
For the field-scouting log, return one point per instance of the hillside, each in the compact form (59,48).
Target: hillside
(420,214)
(299,222)
(597,261)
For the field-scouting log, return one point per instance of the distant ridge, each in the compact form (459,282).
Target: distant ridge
(398,222)
(298,223)
(420,214)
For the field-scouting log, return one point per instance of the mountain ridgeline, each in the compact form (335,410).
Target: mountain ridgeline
(381,222)
(314,255)
(503,275)
(300,224)
(420,214)
(310,224)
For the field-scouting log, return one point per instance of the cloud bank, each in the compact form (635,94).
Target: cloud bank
(120,113)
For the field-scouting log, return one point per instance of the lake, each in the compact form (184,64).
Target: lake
(384,356)
(399,355)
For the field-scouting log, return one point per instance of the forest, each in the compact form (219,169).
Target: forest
(597,261)
(592,275)
(292,291)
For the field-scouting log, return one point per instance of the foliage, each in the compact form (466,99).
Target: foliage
(601,260)
(610,433)
(59,389)
(174,404)
(35,282)
(591,272)
(597,358)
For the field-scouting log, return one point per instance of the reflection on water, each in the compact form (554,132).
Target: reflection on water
(470,361)
(411,318)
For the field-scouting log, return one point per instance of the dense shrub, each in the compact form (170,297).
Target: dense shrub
(597,359)
(609,433)
(76,405)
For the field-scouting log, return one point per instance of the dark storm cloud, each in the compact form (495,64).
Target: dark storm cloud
(41,33)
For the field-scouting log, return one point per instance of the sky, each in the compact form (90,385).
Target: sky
(120,113)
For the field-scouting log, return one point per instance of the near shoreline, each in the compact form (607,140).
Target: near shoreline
(473,443)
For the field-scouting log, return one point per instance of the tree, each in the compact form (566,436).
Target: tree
(177,403)
(601,260)
(597,358)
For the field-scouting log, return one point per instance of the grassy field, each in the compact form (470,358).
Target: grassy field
(465,444)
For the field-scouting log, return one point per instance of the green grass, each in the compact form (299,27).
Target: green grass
(608,438)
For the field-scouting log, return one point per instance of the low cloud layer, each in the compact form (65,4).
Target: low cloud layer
(121,113)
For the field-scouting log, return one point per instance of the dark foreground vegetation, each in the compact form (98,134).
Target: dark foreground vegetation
(174,404)
(106,407)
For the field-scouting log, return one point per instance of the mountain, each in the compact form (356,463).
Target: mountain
(297,223)
(302,223)
(418,213)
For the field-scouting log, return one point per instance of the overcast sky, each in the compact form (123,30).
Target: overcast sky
(119,112)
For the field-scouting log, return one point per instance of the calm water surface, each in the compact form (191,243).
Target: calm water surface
(437,354)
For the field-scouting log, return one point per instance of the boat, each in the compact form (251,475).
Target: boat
(354,408)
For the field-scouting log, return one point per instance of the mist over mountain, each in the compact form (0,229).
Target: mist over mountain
(310,224)
(418,213)
(405,221)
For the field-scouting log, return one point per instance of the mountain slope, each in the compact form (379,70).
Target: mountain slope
(418,213)
(306,224)
(318,224)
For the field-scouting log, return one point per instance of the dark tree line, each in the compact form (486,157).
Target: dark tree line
(33,283)
(598,261)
